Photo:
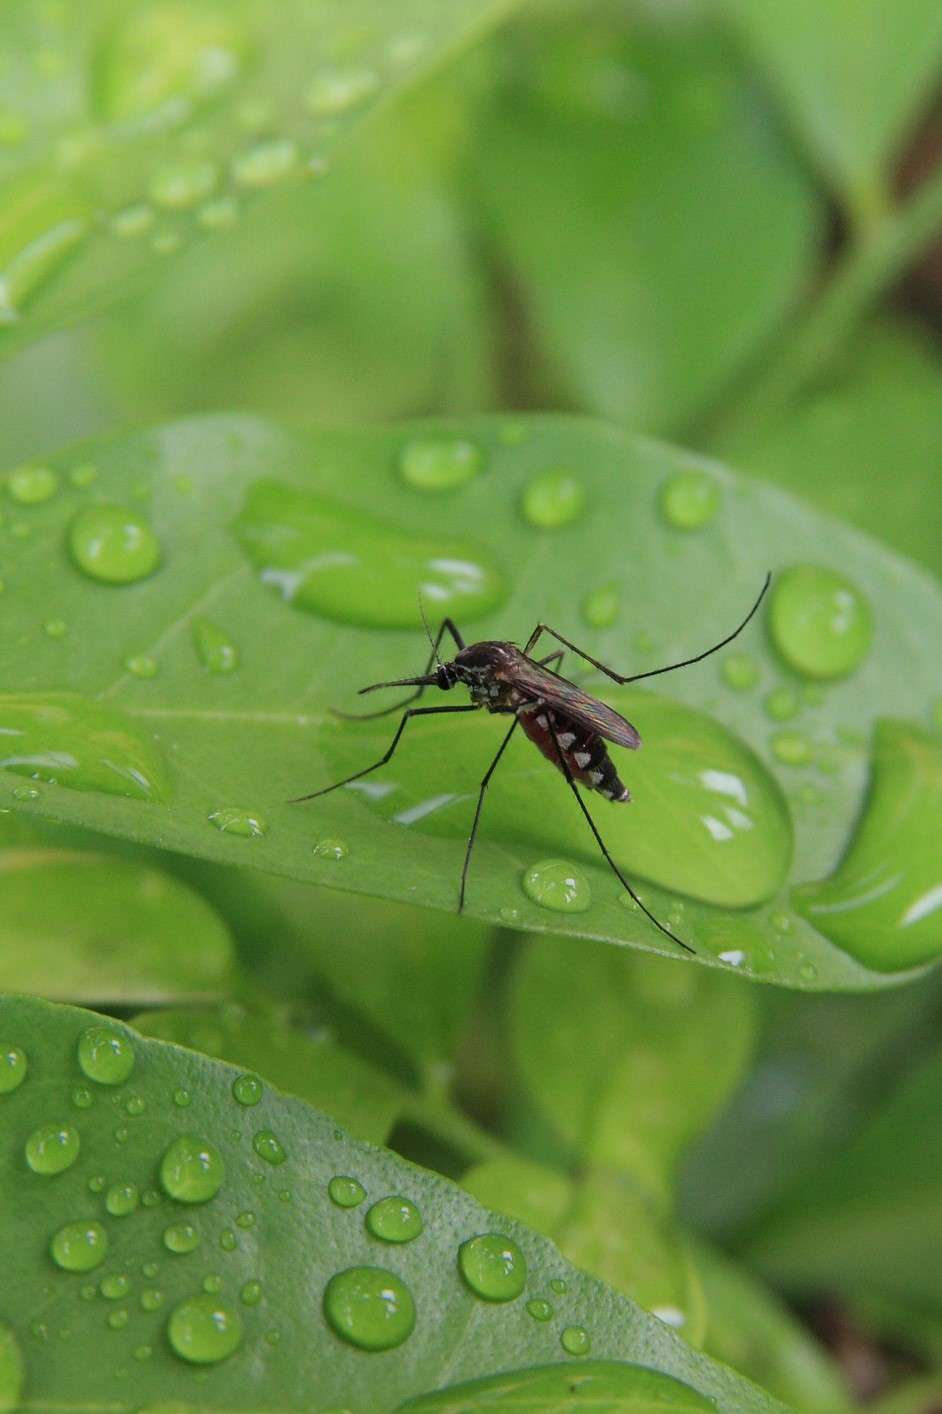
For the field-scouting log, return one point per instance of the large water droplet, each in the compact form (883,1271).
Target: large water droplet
(690,500)
(192,1170)
(439,464)
(29,485)
(105,1055)
(203,1330)
(160,58)
(327,560)
(346,1192)
(493,1266)
(233,820)
(52,1148)
(338,90)
(554,499)
(394,1219)
(216,649)
(883,903)
(79,1246)
(369,1307)
(13,1068)
(113,545)
(179,185)
(11,1370)
(556,884)
(820,622)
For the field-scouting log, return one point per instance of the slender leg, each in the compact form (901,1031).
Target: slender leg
(556,658)
(564,765)
(412,712)
(653,672)
(477,814)
(447,626)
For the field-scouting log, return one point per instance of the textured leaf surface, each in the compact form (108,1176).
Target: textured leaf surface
(196,742)
(73,1344)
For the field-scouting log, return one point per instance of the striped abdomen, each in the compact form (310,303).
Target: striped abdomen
(585,753)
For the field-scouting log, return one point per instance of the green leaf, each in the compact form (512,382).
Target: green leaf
(295,1242)
(330,520)
(853,76)
(137,130)
(627,1058)
(89,927)
(603,1388)
(311,1066)
(611,142)
(914,1396)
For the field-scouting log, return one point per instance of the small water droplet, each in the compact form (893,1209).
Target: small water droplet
(52,1148)
(820,622)
(251,1293)
(218,215)
(558,885)
(156,62)
(122,1134)
(143,1352)
(96,1184)
(79,1246)
(493,1266)
(600,608)
(734,957)
(115,1287)
(248,1089)
(808,971)
(554,499)
(113,545)
(182,1099)
(690,500)
(232,820)
(781,704)
(558,1286)
(192,1170)
(227,1240)
(133,221)
(141,665)
(29,485)
(122,1199)
(792,748)
(439,464)
(150,1198)
(268,1147)
(264,164)
(394,1219)
(105,1055)
(539,1309)
(179,185)
(339,90)
(740,672)
(203,1330)
(24,792)
(150,1270)
(508,915)
(331,848)
(370,1308)
(135,1105)
(576,1340)
(55,628)
(13,1068)
(216,650)
(212,1283)
(89,1291)
(346,1192)
(117,1320)
(181,1237)
(246,1219)
(151,1299)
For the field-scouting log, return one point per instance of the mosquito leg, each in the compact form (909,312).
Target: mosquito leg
(652,672)
(412,712)
(556,658)
(564,765)
(477,814)
(447,626)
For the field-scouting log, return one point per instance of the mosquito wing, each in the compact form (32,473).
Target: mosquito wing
(570,701)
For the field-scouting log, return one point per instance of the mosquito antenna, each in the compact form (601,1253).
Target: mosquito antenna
(428,632)
(654,672)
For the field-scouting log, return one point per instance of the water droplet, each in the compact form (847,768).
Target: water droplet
(203,1330)
(52,1148)
(115,1287)
(576,1340)
(539,1309)
(141,665)
(55,628)
(493,1267)
(13,1068)
(555,884)
(394,1219)
(180,185)
(150,1270)
(268,1147)
(227,1240)
(143,1352)
(346,1192)
(327,560)
(370,1308)
(121,1134)
(339,90)
(181,1237)
(781,704)
(808,971)
(740,672)
(117,1320)
(690,500)
(105,1055)
(216,649)
(218,215)
(439,464)
(151,1299)
(155,62)
(89,1291)
(883,903)
(331,848)
(553,499)
(264,164)
(212,1283)
(135,1105)
(791,748)
(29,485)
(670,1316)
(113,545)
(820,623)
(600,608)
(96,1184)
(79,1246)
(182,1099)
(23,792)
(234,821)
(122,1199)
(132,221)
(248,1089)
(191,1170)
(251,1293)
(781,923)
(509,915)
(558,1286)
(245,1220)
(150,1198)
(734,957)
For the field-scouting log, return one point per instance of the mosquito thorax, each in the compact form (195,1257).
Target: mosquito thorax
(484,668)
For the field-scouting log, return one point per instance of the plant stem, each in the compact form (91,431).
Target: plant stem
(873,262)
(446,1122)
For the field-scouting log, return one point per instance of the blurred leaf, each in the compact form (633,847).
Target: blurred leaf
(139,128)
(853,75)
(657,225)
(310,1066)
(236,745)
(915,1396)
(749,1329)
(628,1058)
(603,1388)
(297,1242)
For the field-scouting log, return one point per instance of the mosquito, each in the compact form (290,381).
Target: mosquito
(568,725)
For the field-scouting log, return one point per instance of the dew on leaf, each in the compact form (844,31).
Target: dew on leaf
(227,1240)
(96,1184)
(166,242)
(733,957)
(337,91)
(135,1105)
(141,665)
(268,1146)
(439,464)
(115,1287)
(133,221)
(690,500)
(159,59)
(370,1308)
(233,820)
(558,1286)
(792,748)
(29,485)
(558,885)
(215,648)
(180,185)
(117,1320)
(151,1299)
(781,704)
(265,163)
(346,1192)
(553,499)
(122,1199)
(55,628)
(105,1055)
(819,621)
(212,1283)
(52,1148)
(191,1170)
(181,1237)
(79,1246)
(246,1219)
(218,215)
(44,222)
(248,1089)
(493,1266)
(394,1219)
(204,1330)
(540,1309)
(182,1098)
(740,672)
(13,1068)
(331,848)
(576,1340)
(600,608)
(23,792)
(113,545)
(251,1293)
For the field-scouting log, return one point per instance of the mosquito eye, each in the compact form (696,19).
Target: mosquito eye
(444,678)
